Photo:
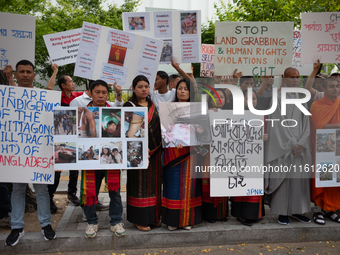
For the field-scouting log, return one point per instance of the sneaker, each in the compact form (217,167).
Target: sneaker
(48,233)
(283,220)
(73,199)
(118,229)
(91,230)
(102,206)
(53,207)
(301,218)
(171,228)
(5,222)
(14,236)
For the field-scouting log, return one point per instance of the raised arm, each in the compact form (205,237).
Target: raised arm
(262,88)
(8,71)
(184,74)
(51,82)
(311,78)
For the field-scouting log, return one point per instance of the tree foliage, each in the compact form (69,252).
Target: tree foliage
(65,15)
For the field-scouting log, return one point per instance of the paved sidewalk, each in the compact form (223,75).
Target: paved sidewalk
(70,233)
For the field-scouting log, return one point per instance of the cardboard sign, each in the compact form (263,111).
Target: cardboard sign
(17,36)
(304,69)
(207,62)
(63,47)
(320,35)
(255,48)
(327,158)
(116,56)
(236,154)
(93,138)
(26,126)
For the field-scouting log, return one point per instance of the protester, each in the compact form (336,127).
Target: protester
(289,146)
(173,80)
(326,115)
(25,76)
(144,185)
(266,87)
(248,209)
(182,192)
(99,91)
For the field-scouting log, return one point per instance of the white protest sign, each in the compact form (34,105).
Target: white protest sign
(26,126)
(320,35)
(63,47)
(236,154)
(327,158)
(207,62)
(183,28)
(304,69)
(255,48)
(17,36)
(116,56)
(100,138)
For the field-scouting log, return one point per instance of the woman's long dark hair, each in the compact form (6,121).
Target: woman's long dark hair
(108,152)
(190,87)
(113,156)
(211,105)
(138,78)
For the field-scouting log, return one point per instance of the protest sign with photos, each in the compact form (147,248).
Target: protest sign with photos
(100,138)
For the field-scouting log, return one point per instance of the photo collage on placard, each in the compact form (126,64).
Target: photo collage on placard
(65,137)
(327,158)
(100,138)
(135,128)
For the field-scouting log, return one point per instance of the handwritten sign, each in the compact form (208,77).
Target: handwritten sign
(182,28)
(100,138)
(304,69)
(207,62)
(116,56)
(255,48)
(26,128)
(17,36)
(236,154)
(320,37)
(327,158)
(63,47)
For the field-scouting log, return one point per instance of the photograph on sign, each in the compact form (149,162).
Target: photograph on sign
(188,23)
(166,55)
(117,55)
(134,21)
(111,123)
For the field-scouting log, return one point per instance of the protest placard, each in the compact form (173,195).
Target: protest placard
(183,123)
(255,48)
(320,36)
(304,69)
(327,158)
(26,126)
(63,47)
(236,154)
(17,36)
(180,31)
(100,138)
(207,62)
(116,56)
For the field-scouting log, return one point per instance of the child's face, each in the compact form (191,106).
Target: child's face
(112,127)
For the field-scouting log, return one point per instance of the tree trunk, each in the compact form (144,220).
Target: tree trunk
(30,199)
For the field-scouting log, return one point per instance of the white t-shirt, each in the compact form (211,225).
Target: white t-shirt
(84,100)
(166,97)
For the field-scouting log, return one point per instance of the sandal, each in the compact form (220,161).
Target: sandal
(318,218)
(333,216)
(143,228)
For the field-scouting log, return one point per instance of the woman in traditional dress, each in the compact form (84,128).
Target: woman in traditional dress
(144,185)
(214,208)
(182,192)
(248,209)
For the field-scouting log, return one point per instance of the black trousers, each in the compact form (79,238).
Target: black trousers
(72,184)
